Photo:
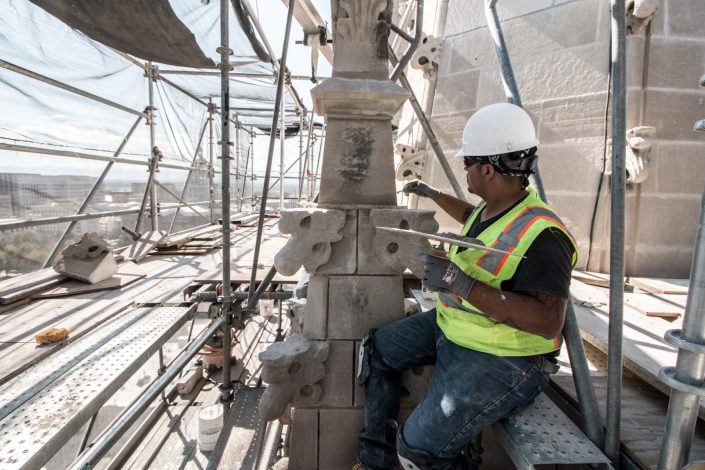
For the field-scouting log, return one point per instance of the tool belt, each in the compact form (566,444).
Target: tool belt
(546,363)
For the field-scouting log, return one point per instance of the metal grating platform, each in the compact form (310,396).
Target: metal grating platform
(240,442)
(542,434)
(45,406)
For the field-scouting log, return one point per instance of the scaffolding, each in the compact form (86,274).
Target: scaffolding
(681,414)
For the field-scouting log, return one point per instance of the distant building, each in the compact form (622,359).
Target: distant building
(26,190)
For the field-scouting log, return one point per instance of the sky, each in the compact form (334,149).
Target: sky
(34,111)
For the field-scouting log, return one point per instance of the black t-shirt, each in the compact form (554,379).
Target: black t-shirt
(547,265)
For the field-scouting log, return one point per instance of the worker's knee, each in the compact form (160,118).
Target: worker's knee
(417,459)
(370,362)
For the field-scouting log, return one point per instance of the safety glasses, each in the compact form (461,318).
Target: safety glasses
(470,161)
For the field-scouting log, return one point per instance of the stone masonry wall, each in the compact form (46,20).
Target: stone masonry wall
(560,54)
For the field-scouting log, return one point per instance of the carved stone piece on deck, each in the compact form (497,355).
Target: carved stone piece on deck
(90,260)
(292,369)
(398,252)
(312,232)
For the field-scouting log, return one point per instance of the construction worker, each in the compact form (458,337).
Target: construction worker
(495,331)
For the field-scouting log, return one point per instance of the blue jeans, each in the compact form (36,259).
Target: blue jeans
(469,390)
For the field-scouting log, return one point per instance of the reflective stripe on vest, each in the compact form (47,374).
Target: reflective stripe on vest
(509,238)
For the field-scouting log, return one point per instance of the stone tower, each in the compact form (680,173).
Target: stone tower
(355,271)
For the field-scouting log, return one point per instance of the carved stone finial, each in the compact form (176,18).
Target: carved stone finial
(312,231)
(292,370)
(360,32)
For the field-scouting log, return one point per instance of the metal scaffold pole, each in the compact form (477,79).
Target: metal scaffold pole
(686,379)
(281,153)
(617,201)
(182,197)
(150,190)
(89,197)
(587,400)
(226,301)
(301,149)
(272,136)
(238,155)
(211,153)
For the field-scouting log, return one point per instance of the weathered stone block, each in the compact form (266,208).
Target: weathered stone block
(570,118)
(90,260)
(675,63)
(337,390)
(466,15)
(343,258)
(358,167)
(358,303)
(356,98)
(673,113)
(449,131)
(566,72)
(678,168)
(293,370)
(338,444)
(312,232)
(686,18)
(390,253)
(456,92)
(316,312)
(303,448)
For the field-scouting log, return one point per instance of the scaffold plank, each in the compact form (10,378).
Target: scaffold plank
(44,407)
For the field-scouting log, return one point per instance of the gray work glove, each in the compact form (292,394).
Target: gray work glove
(421,189)
(442,275)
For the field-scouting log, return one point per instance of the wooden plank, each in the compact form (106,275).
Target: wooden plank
(241,274)
(22,281)
(126,274)
(183,237)
(661,285)
(141,248)
(18,349)
(592,278)
(645,351)
(643,409)
(654,306)
(23,292)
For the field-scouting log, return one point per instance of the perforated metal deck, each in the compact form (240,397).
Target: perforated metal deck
(41,409)
(542,434)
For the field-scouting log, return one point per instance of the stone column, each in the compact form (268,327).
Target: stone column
(355,271)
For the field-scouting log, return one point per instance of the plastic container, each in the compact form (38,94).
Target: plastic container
(210,423)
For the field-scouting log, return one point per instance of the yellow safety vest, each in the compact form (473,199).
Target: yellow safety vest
(465,324)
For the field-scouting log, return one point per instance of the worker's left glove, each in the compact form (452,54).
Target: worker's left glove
(442,275)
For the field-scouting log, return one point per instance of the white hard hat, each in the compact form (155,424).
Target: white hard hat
(498,129)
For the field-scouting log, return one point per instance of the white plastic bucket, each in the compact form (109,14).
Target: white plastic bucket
(210,423)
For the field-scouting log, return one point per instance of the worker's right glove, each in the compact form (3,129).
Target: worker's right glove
(442,275)
(421,189)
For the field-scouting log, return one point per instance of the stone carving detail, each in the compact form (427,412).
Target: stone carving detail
(427,55)
(638,158)
(639,14)
(360,33)
(312,232)
(292,369)
(399,252)
(360,20)
(412,162)
(90,260)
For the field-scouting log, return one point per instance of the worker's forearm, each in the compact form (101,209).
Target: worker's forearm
(540,314)
(456,208)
